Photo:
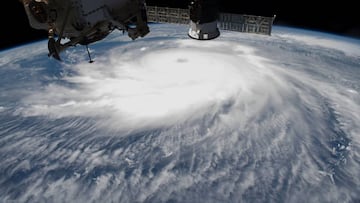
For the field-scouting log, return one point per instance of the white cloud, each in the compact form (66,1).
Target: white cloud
(346,45)
(235,123)
(157,87)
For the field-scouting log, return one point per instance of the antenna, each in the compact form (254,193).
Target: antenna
(87,49)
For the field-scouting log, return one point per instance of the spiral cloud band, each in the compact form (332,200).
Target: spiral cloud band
(168,119)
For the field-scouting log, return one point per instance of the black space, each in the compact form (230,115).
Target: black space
(338,17)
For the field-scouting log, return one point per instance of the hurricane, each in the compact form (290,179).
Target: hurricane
(242,118)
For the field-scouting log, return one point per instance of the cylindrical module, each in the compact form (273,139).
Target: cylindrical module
(203,19)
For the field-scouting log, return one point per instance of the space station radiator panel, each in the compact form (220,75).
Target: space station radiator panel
(226,21)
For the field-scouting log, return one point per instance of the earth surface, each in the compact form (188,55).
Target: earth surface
(242,118)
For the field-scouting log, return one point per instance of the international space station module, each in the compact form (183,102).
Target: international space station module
(87,21)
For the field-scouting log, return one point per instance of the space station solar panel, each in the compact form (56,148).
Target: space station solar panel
(246,23)
(226,21)
(168,15)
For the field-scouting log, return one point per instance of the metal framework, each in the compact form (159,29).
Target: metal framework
(246,23)
(226,21)
(168,15)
